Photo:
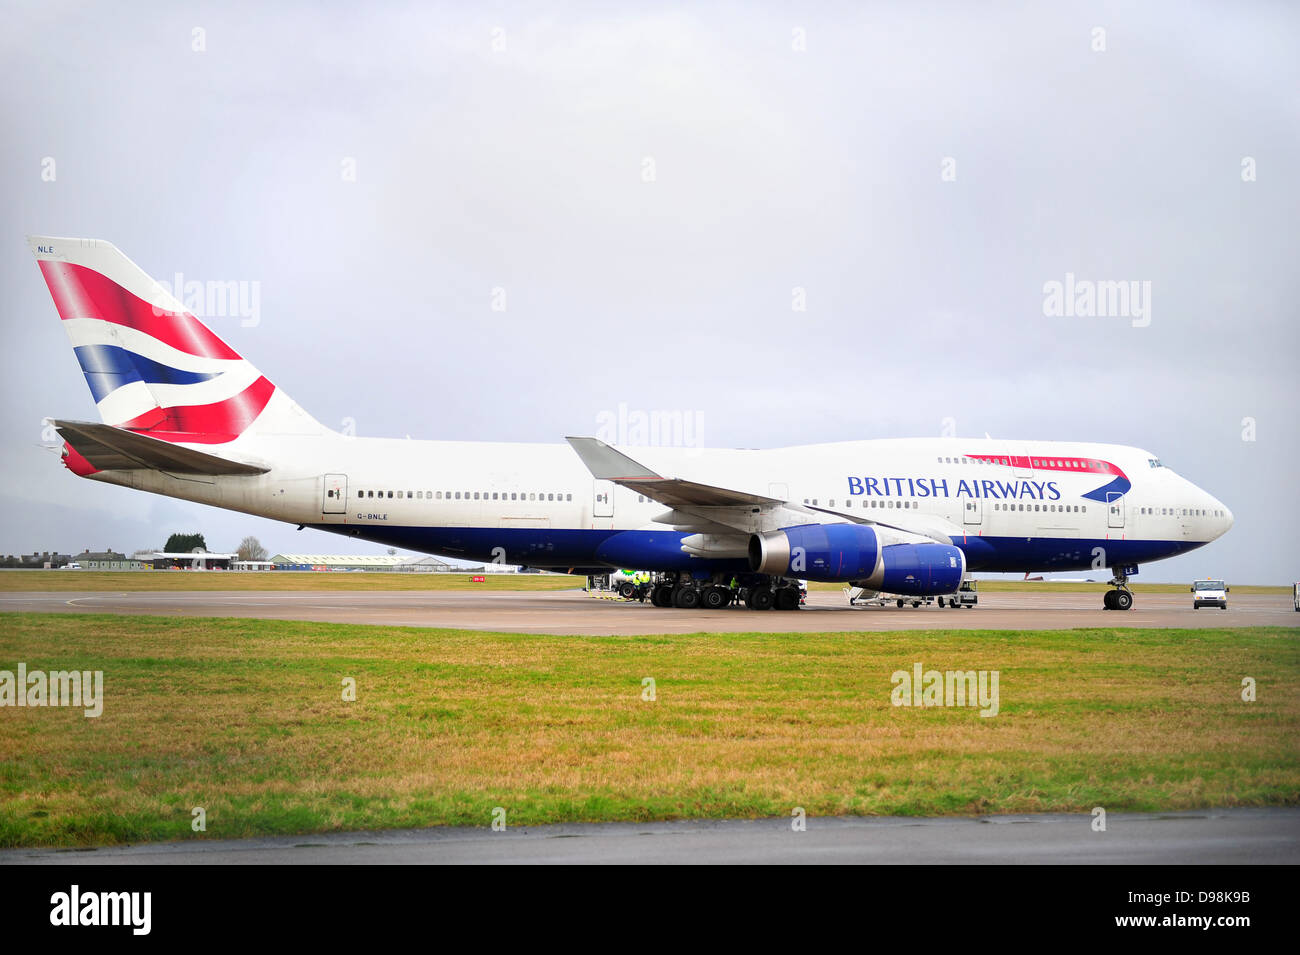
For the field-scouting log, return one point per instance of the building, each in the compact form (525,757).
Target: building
(252,565)
(107,560)
(372,562)
(47,560)
(425,565)
(164,560)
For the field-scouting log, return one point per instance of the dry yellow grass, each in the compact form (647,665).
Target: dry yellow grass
(245,718)
(63,581)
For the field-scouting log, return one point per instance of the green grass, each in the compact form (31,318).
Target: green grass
(245,718)
(64,581)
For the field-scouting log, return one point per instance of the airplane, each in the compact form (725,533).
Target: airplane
(182,414)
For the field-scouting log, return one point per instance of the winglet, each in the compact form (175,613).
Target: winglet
(607,464)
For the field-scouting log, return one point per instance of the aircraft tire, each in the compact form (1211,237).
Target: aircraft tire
(686,597)
(715,598)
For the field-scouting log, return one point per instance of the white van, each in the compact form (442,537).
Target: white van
(1211,593)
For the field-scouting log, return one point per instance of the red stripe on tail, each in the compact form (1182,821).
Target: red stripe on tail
(216,423)
(80,292)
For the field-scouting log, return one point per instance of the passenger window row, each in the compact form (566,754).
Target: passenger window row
(1052,508)
(1035,462)
(467,495)
(872,502)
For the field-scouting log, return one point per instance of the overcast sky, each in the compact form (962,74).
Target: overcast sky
(643,191)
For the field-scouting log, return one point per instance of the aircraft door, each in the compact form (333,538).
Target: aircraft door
(334,498)
(1021,466)
(603,500)
(1114,509)
(973,513)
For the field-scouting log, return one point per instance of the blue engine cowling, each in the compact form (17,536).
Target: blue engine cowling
(920,570)
(842,553)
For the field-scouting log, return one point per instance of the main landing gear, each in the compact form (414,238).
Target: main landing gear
(1120,598)
(755,591)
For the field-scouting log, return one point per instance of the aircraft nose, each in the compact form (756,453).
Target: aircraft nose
(1223,516)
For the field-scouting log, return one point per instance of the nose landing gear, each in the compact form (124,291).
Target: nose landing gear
(1121,598)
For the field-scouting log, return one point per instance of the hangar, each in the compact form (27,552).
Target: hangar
(381,562)
(196,560)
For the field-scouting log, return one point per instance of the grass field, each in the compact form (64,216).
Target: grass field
(246,719)
(64,581)
(120,581)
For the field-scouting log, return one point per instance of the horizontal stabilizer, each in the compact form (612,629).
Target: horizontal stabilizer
(107,448)
(609,464)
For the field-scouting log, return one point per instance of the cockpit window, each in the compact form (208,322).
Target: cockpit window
(1154,462)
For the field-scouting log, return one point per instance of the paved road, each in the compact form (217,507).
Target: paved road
(574,612)
(1268,836)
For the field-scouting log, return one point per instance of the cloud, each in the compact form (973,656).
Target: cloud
(523,169)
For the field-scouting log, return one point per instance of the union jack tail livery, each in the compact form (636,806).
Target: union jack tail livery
(152,366)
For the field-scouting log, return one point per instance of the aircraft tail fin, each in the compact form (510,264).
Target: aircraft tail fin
(151,365)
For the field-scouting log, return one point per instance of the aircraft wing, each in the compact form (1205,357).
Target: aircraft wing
(108,448)
(723,518)
(609,464)
(929,526)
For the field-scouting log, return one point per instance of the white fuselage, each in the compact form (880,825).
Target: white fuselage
(1023,508)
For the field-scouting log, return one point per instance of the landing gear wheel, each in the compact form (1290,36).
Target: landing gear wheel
(787,598)
(715,598)
(662,595)
(900,604)
(941,603)
(686,597)
(1120,598)
(760,598)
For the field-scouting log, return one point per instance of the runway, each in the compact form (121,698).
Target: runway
(575,612)
(1207,837)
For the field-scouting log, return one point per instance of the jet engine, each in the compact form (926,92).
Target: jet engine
(855,553)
